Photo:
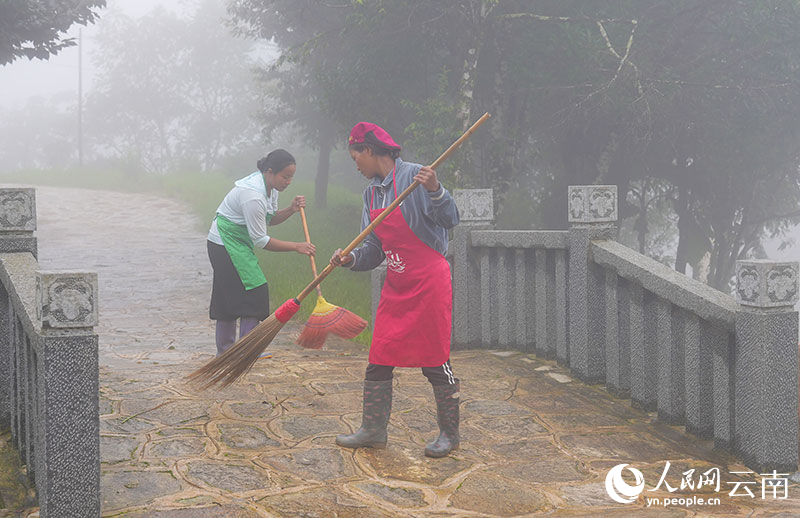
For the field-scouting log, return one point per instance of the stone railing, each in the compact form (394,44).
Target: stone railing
(725,367)
(48,367)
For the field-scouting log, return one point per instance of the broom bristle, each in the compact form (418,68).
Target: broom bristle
(239,358)
(312,337)
(328,318)
(350,325)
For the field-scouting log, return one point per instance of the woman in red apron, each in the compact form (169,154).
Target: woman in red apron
(412,326)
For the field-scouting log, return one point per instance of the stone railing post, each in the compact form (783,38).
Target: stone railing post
(67,458)
(18,220)
(592,216)
(476,208)
(17,224)
(766,362)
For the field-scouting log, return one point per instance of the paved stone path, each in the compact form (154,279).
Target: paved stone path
(533,440)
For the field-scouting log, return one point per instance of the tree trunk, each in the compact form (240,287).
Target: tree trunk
(682,210)
(722,252)
(323,169)
(641,224)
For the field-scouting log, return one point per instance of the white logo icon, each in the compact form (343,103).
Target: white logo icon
(394,262)
(619,490)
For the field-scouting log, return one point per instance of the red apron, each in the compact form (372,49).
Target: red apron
(413,321)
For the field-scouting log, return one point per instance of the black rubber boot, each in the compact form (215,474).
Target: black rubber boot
(375,418)
(447,400)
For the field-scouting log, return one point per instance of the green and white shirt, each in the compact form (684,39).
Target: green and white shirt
(248,204)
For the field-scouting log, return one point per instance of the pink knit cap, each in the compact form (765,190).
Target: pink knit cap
(360,134)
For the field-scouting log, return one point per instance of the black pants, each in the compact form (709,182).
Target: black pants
(441,375)
(229,298)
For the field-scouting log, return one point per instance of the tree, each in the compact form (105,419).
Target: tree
(180,90)
(35,28)
(700,96)
(707,94)
(39,134)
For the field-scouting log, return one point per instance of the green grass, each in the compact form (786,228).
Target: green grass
(287,272)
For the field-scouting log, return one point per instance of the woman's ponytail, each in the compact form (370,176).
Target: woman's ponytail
(276,160)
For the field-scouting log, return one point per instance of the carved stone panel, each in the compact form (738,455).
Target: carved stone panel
(766,284)
(592,203)
(66,299)
(475,204)
(17,210)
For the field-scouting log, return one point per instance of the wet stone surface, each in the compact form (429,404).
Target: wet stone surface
(510,426)
(584,421)
(543,470)
(176,448)
(125,425)
(230,477)
(259,410)
(408,462)
(264,447)
(122,489)
(117,449)
(620,445)
(494,408)
(586,495)
(517,498)
(171,413)
(322,503)
(318,464)
(399,496)
(106,406)
(300,427)
(245,437)
(214,511)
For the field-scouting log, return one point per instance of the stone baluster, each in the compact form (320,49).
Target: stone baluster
(671,362)
(766,362)
(476,209)
(68,434)
(617,357)
(560,309)
(545,348)
(698,377)
(592,216)
(721,343)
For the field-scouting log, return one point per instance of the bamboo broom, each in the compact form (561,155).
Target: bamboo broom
(326,317)
(239,358)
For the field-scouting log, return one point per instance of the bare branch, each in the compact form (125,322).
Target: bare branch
(543,18)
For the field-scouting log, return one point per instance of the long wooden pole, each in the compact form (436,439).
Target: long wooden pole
(308,240)
(363,235)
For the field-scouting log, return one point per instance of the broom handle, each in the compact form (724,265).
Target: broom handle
(308,240)
(375,222)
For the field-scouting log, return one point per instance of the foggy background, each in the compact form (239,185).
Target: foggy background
(692,108)
(24,79)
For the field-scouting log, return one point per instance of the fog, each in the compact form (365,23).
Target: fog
(699,133)
(23,79)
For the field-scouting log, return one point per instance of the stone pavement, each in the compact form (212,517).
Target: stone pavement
(533,440)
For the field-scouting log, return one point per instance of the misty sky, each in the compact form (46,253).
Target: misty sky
(23,78)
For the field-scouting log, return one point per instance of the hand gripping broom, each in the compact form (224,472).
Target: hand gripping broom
(326,317)
(238,359)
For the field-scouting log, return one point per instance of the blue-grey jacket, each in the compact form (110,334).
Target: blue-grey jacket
(428,214)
